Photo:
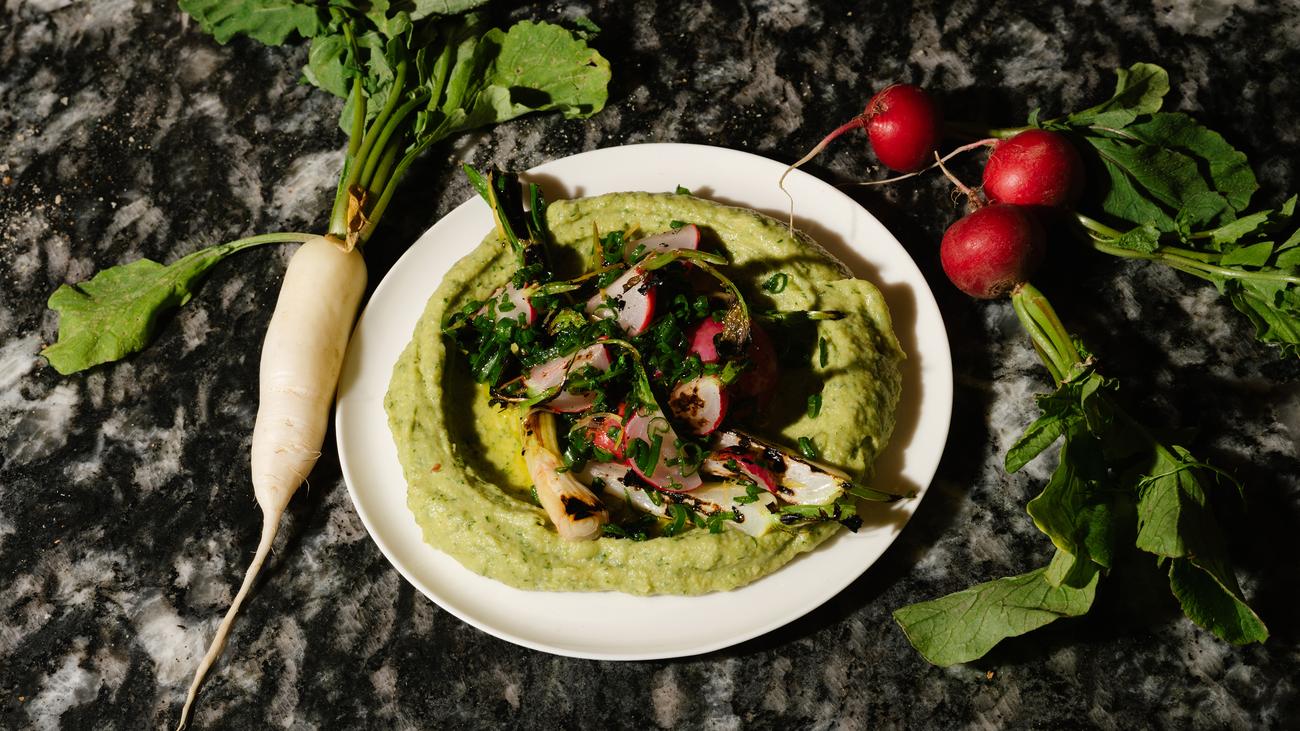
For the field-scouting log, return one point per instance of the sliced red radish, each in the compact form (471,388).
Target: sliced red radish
(701,403)
(630,299)
(518,302)
(551,374)
(701,337)
(606,432)
(720,463)
(686,237)
(668,478)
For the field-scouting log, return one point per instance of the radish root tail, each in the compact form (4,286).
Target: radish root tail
(854,123)
(937,163)
(961,187)
(270,526)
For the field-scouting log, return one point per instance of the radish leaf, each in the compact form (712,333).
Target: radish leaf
(117,311)
(1114,482)
(268,21)
(961,627)
(1227,169)
(1212,604)
(1140,89)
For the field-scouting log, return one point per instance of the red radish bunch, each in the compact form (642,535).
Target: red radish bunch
(988,252)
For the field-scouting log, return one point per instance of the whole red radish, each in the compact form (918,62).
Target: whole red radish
(904,127)
(1035,168)
(902,123)
(990,251)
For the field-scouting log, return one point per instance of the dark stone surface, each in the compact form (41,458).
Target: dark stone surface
(125,513)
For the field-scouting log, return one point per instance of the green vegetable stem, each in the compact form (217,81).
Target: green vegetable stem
(410,74)
(1116,486)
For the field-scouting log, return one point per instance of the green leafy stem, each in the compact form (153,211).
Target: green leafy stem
(1204,264)
(1115,483)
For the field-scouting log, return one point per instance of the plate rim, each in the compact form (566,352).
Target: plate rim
(924,300)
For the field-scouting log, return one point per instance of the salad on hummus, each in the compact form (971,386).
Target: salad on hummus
(649,393)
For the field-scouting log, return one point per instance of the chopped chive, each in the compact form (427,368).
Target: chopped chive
(678,523)
(683,190)
(807,448)
(675,224)
(776,283)
(822,356)
(814,405)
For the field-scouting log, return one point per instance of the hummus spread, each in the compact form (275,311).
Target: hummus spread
(467,484)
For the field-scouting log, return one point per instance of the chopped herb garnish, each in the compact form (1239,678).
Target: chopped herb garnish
(715,521)
(675,224)
(814,405)
(678,517)
(683,191)
(776,283)
(751,488)
(807,448)
(822,354)
(612,246)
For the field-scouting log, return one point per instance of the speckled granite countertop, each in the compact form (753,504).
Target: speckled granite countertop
(125,513)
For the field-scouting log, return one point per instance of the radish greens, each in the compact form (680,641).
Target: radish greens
(411,73)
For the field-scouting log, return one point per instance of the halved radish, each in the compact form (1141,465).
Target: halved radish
(664,476)
(701,337)
(630,299)
(518,302)
(551,374)
(701,403)
(686,237)
(719,463)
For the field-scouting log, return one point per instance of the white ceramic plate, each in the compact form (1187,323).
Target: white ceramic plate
(607,625)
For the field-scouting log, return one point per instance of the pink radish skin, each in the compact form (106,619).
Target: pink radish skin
(299,372)
(634,302)
(686,237)
(1035,168)
(664,477)
(701,403)
(990,251)
(701,338)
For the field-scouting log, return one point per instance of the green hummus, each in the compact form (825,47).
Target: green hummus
(467,484)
